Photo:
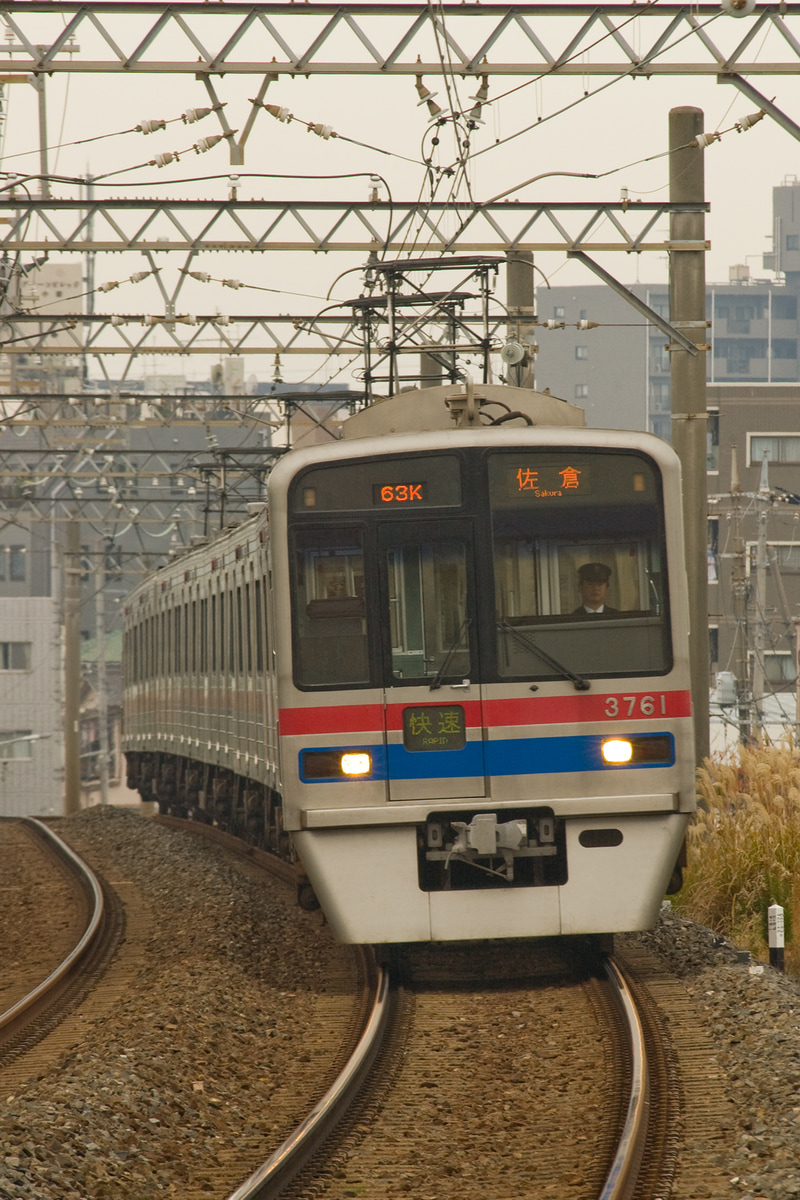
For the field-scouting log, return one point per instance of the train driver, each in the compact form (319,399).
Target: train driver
(593,580)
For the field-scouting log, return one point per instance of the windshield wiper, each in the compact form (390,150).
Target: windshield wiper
(581,684)
(436,682)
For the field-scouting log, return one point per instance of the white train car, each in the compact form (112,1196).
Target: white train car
(447,667)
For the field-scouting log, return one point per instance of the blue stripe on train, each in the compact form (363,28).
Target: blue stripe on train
(507,756)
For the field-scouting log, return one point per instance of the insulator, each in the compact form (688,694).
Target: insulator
(138,276)
(108,287)
(201,276)
(323,131)
(705,139)
(208,143)
(232,283)
(150,126)
(161,160)
(195,114)
(750,120)
(279,112)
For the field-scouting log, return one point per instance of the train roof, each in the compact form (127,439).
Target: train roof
(461,406)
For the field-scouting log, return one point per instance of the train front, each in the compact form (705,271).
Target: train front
(485,720)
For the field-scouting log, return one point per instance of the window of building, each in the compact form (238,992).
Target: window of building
(784,308)
(784,348)
(712,548)
(13,564)
(712,442)
(793,241)
(582,352)
(738,354)
(15,743)
(787,556)
(660,395)
(581,391)
(15,656)
(775,447)
(713,643)
(779,666)
(558,312)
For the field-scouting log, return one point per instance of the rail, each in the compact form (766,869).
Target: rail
(621,1179)
(15,1015)
(291,1156)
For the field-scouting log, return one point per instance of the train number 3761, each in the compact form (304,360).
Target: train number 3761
(636,706)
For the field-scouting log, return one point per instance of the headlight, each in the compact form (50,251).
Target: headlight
(639,750)
(616,750)
(330,765)
(356,764)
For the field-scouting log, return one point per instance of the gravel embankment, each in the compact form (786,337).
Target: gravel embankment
(199,1063)
(751,1014)
(195,1066)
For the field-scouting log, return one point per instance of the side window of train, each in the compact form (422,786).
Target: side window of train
(249,618)
(330,616)
(231,634)
(222,631)
(259,628)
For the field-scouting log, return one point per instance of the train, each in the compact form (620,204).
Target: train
(443,668)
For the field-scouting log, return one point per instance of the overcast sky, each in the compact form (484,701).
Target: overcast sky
(624,123)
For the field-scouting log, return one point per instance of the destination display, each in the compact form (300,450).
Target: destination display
(413,481)
(572,477)
(548,481)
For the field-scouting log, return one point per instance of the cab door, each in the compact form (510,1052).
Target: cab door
(432,697)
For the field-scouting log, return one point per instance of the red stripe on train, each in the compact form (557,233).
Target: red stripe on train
(536,710)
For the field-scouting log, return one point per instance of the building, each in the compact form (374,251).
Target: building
(754,529)
(619,371)
(31,653)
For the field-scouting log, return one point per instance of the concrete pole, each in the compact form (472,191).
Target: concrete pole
(72,668)
(760,639)
(102,685)
(688,377)
(521,312)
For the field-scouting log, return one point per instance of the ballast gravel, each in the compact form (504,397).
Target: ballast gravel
(187,1069)
(220,1016)
(752,1016)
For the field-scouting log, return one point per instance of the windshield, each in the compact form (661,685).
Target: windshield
(551,564)
(577,551)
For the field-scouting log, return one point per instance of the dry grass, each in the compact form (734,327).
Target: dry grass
(744,849)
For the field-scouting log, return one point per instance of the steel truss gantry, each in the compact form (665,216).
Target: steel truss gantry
(390,38)
(274,40)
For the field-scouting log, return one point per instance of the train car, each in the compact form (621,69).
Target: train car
(446,667)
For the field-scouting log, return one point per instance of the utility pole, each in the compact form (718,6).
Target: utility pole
(72,668)
(688,379)
(760,639)
(739,587)
(102,685)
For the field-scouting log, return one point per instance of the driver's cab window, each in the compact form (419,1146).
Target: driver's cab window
(578,560)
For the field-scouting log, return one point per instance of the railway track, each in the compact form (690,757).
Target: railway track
(629,1157)
(624,1158)
(27,1020)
